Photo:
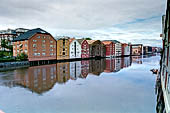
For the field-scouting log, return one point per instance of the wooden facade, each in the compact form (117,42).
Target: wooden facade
(94,48)
(63,49)
(109,48)
(84,48)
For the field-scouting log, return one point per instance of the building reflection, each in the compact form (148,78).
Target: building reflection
(75,70)
(84,68)
(63,72)
(97,66)
(116,64)
(40,79)
(137,59)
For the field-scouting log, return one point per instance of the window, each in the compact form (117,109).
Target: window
(43,54)
(51,41)
(34,40)
(43,41)
(25,51)
(34,45)
(63,53)
(35,54)
(38,54)
(43,36)
(51,49)
(43,46)
(34,49)
(25,45)
(51,53)
(38,36)
(43,50)
(51,46)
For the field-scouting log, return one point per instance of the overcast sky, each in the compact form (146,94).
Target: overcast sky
(136,21)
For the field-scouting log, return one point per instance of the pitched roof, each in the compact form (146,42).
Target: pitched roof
(91,41)
(114,41)
(71,39)
(106,42)
(29,34)
(62,37)
(80,40)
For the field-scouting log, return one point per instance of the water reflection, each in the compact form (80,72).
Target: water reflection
(40,79)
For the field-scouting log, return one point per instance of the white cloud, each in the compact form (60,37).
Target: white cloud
(83,18)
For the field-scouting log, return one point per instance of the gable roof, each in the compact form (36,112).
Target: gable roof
(106,42)
(62,37)
(91,41)
(114,41)
(29,34)
(80,40)
(71,39)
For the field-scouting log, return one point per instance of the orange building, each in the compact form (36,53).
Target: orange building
(37,44)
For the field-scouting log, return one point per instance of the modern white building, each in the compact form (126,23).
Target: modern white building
(75,49)
(9,35)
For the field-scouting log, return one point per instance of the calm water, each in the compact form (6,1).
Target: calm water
(121,85)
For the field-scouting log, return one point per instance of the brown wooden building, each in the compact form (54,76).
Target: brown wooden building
(94,48)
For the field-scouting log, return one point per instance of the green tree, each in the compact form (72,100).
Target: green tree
(88,38)
(4,44)
(22,56)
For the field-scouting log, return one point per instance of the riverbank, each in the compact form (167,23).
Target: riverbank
(19,64)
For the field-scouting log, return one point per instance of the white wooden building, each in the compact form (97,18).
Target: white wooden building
(75,49)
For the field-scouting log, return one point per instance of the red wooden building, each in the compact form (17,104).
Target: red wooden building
(84,48)
(109,48)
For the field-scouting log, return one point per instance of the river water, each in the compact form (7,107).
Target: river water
(120,85)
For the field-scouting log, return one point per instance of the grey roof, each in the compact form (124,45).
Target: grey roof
(29,34)
(8,31)
(62,37)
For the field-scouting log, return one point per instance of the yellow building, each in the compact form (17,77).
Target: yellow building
(63,48)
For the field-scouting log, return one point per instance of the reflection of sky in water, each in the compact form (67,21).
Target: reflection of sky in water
(130,90)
